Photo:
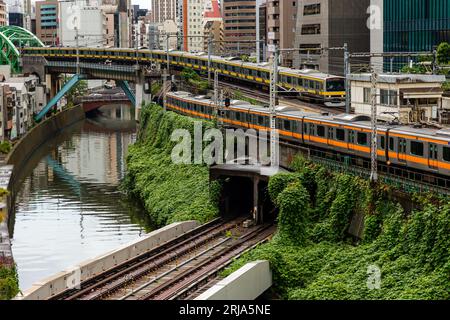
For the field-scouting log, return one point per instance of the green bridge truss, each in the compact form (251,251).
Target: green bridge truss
(12,38)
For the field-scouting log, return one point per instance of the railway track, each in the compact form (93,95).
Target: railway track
(136,278)
(263,97)
(189,280)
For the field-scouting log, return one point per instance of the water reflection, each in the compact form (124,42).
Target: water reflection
(68,207)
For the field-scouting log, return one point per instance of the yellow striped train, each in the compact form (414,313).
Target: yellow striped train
(310,85)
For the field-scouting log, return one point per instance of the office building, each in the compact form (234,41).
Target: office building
(239,24)
(47,22)
(281,26)
(398,26)
(163,10)
(323,24)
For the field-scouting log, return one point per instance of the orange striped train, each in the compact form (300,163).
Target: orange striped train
(424,149)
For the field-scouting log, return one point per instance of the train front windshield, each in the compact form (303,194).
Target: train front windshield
(334,85)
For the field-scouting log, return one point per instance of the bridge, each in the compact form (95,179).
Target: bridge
(96,100)
(12,39)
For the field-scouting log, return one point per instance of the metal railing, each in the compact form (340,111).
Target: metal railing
(403,179)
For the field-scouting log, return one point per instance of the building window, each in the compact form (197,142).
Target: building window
(311,28)
(388,97)
(367,94)
(417,148)
(307,48)
(311,9)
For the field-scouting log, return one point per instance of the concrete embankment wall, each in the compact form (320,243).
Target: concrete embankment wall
(15,162)
(71,277)
(247,283)
(41,133)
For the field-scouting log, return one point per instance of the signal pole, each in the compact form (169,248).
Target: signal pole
(272,108)
(374,143)
(78,49)
(216,95)
(347,72)
(209,58)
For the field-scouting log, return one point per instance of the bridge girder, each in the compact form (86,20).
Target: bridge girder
(12,38)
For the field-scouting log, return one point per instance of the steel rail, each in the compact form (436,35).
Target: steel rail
(214,263)
(133,271)
(137,259)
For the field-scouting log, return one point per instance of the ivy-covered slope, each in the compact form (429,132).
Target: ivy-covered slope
(312,256)
(170,192)
(8,282)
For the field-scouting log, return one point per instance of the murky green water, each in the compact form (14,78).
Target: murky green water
(68,208)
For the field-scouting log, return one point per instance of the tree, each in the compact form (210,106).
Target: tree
(443,53)
(78,90)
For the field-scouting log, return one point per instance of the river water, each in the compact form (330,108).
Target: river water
(68,207)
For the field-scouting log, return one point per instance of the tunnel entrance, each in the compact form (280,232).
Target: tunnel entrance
(245,191)
(236,197)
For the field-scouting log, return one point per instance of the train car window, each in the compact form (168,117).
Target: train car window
(382,143)
(351,136)
(391,144)
(330,133)
(446,154)
(321,131)
(306,83)
(305,128)
(289,80)
(361,138)
(261,120)
(238,116)
(318,85)
(340,134)
(417,148)
(287,125)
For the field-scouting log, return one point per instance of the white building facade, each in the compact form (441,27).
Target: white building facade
(89,22)
(408,98)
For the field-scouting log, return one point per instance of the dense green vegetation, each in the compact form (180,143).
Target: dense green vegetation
(443,60)
(5,147)
(170,192)
(194,79)
(78,90)
(443,53)
(8,282)
(239,96)
(314,257)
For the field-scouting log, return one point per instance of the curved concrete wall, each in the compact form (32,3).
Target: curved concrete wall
(17,160)
(42,132)
(72,277)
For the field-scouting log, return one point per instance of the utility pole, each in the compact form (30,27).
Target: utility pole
(216,94)
(209,58)
(136,44)
(258,35)
(167,52)
(272,108)
(78,49)
(347,72)
(374,143)
(434,60)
